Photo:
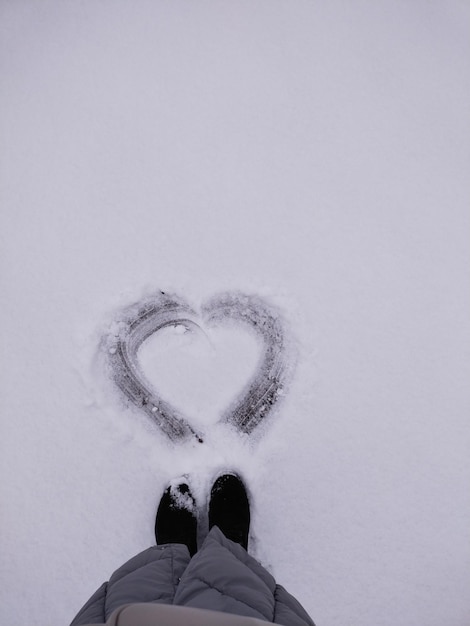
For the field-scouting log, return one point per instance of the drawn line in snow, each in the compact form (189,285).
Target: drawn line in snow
(139,321)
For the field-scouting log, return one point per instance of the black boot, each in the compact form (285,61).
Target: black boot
(177,518)
(229,509)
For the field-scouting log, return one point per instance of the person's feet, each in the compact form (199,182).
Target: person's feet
(229,509)
(177,518)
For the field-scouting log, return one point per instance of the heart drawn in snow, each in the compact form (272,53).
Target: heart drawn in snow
(138,322)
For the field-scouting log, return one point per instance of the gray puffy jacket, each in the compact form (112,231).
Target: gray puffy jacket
(222,576)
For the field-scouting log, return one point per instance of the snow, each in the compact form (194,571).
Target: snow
(315,154)
(196,372)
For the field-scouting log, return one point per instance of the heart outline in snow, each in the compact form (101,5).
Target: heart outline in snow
(139,321)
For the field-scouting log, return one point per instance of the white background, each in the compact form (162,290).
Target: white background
(316,153)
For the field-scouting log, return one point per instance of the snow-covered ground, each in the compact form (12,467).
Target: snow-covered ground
(313,153)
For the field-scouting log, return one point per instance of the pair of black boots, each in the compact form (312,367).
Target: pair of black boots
(229,509)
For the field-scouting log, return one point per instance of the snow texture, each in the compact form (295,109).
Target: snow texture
(142,320)
(313,156)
